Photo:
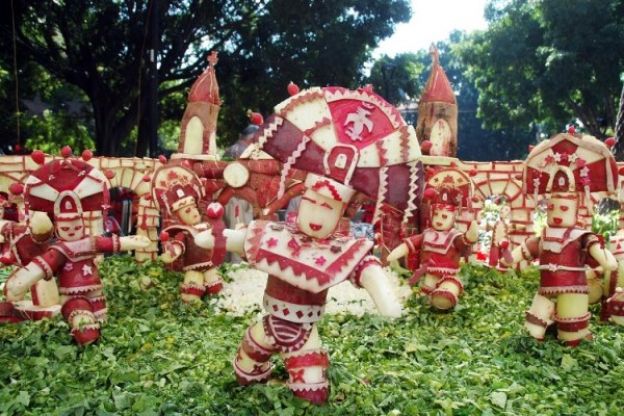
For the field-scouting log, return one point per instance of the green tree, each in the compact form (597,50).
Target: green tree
(549,62)
(398,79)
(401,79)
(98,46)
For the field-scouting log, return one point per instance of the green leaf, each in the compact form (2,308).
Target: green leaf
(499,398)
(24,398)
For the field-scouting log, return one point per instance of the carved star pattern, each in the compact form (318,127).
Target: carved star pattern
(297,376)
(294,247)
(448,179)
(87,270)
(320,260)
(271,242)
(573,157)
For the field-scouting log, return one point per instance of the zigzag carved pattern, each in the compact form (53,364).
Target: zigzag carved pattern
(289,162)
(404,138)
(317,125)
(412,193)
(383,189)
(268,132)
(253,241)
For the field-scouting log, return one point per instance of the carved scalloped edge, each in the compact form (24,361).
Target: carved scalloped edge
(405,143)
(268,132)
(381,193)
(79,289)
(325,121)
(344,94)
(252,243)
(299,99)
(412,193)
(308,386)
(289,162)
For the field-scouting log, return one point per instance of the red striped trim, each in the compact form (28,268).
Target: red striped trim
(311,359)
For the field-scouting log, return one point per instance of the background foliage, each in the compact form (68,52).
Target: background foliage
(158,356)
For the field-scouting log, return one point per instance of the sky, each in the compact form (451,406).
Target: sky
(433,20)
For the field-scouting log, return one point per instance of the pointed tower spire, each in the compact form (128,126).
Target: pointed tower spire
(199,122)
(206,87)
(438,87)
(437,112)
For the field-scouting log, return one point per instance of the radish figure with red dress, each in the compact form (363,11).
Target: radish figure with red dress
(439,249)
(567,170)
(347,141)
(71,190)
(562,250)
(178,192)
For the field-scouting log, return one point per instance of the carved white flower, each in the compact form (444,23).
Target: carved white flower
(584,172)
(572,157)
(87,270)
(557,156)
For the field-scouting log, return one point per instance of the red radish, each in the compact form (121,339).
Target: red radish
(292,88)
(214,210)
(425,147)
(87,155)
(473,172)
(66,151)
(147,178)
(430,193)
(255,118)
(38,157)
(610,142)
(162,159)
(109,174)
(571,129)
(504,244)
(16,188)
(164,236)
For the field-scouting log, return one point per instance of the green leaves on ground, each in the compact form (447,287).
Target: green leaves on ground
(159,356)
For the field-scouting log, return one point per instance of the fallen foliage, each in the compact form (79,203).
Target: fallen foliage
(161,357)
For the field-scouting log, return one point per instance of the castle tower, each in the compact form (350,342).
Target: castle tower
(437,111)
(199,122)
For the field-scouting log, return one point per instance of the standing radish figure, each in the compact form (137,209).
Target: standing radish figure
(347,142)
(72,191)
(440,247)
(178,192)
(562,251)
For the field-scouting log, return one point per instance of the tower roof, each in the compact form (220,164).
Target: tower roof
(206,88)
(438,87)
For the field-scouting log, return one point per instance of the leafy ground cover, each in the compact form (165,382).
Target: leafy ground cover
(158,356)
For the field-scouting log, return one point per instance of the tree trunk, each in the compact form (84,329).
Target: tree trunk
(110,130)
(619,129)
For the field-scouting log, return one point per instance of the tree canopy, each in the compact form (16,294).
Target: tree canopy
(99,47)
(548,63)
(402,78)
